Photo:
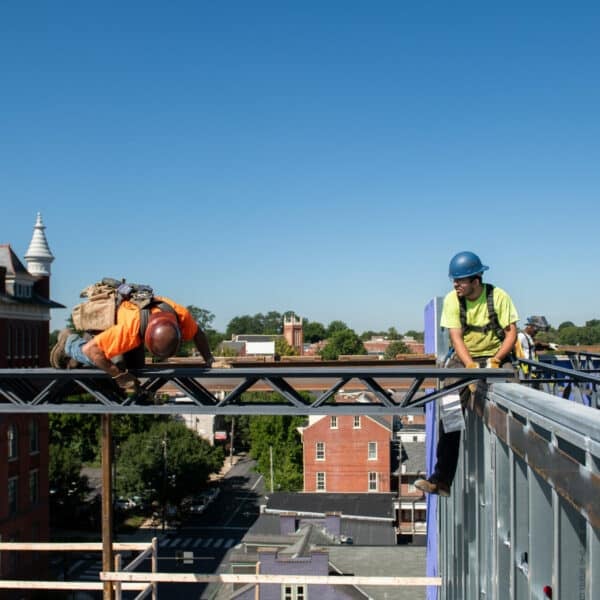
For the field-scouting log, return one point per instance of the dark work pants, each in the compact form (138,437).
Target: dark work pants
(448,444)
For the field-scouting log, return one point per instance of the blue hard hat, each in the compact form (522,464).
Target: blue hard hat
(465,264)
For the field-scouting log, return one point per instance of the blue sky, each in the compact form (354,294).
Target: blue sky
(323,157)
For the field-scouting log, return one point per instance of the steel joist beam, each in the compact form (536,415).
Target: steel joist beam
(385,390)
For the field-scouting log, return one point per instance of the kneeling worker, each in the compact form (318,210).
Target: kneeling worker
(161,327)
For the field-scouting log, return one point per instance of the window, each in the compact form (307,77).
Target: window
(321,486)
(34,487)
(34,436)
(372,481)
(320,450)
(13,442)
(13,491)
(333,423)
(356,424)
(293,592)
(372,450)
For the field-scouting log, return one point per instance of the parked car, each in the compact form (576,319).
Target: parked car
(197,504)
(122,503)
(198,507)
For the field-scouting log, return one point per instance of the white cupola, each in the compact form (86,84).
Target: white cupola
(38,255)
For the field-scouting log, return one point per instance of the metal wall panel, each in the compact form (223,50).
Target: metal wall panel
(523,519)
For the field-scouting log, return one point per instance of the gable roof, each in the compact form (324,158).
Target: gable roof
(12,263)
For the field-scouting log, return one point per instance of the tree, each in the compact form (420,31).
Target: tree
(335,326)
(168,458)
(394,349)
(392,334)
(68,488)
(419,336)
(343,342)
(313,331)
(282,348)
(566,324)
(79,432)
(241,325)
(203,317)
(277,437)
(272,323)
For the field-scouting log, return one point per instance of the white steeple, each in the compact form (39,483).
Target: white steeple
(38,255)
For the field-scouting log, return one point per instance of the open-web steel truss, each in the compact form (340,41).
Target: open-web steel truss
(300,390)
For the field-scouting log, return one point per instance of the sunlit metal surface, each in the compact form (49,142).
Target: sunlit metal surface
(524,513)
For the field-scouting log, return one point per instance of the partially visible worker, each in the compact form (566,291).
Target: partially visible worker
(527,344)
(481,320)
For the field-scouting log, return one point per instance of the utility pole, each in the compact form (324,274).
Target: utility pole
(231,441)
(271,465)
(164,502)
(107,504)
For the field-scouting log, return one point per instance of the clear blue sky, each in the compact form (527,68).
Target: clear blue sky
(323,157)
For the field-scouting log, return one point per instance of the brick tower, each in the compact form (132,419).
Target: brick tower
(292,332)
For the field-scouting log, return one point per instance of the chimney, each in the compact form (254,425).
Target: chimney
(288,523)
(333,523)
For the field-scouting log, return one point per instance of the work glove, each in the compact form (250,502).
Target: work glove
(127,382)
(492,363)
(553,346)
(473,386)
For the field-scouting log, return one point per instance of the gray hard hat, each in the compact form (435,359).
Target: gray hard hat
(538,322)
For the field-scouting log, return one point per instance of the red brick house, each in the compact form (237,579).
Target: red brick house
(350,454)
(24,339)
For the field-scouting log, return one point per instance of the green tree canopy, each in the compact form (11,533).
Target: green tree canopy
(277,436)
(79,432)
(269,324)
(203,317)
(345,341)
(168,458)
(282,348)
(395,348)
(313,331)
(392,334)
(419,336)
(335,326)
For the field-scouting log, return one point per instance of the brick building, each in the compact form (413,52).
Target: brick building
(344,453)
(24,342)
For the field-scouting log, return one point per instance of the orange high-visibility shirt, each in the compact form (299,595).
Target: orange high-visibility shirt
(125,334)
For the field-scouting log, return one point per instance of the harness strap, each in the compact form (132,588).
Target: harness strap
(492,325)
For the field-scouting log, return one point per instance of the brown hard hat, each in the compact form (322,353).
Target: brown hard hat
(163,335)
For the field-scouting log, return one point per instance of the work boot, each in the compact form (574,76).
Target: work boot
(431,486)
(58,356)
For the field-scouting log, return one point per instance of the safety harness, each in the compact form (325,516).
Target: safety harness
(493,324)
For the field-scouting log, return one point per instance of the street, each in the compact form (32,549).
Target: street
(199,544)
